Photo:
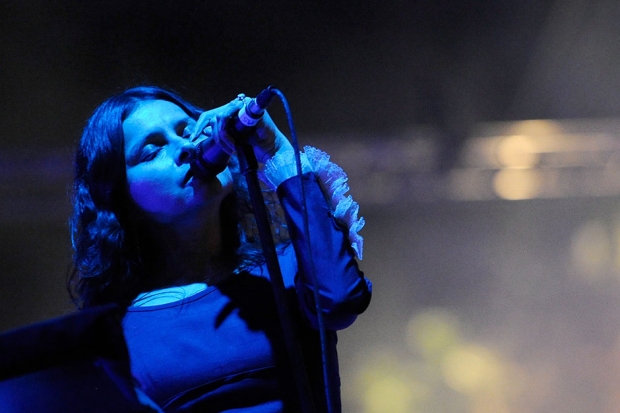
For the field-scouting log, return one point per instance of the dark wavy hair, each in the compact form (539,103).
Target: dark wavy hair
(113,252)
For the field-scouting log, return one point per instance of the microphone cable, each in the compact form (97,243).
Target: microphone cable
(319,309)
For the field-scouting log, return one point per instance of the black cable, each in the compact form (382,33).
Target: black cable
(319,309)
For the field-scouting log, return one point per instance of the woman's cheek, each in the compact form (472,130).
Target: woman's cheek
(150,195)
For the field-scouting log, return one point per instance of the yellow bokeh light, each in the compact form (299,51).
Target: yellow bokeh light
(472,369)
(387,383)
(433,333)
(444,372)
(536,127)
(517,184)
(518,151)
(388,394)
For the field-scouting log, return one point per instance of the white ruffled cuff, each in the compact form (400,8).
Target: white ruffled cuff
(282,166)
(333,180)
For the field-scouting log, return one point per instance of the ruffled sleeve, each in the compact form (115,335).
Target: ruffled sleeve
(334,184)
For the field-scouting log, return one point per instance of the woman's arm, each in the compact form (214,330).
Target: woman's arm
(332,238)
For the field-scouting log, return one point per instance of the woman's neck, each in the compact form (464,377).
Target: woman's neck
(191,253)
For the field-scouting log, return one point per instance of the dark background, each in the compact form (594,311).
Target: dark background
(498,280)
(346,66)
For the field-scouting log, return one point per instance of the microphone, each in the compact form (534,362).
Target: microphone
(212,156)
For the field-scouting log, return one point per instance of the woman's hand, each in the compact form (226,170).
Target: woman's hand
(267,139)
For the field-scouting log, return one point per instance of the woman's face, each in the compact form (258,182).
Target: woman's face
(157,155)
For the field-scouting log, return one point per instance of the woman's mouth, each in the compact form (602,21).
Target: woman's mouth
(189,177)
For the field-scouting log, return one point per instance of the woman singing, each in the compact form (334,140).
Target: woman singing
(179,250)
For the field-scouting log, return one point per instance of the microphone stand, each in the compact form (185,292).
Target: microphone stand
(249,167)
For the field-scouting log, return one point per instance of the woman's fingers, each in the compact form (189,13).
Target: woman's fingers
(266,140)
(206,118)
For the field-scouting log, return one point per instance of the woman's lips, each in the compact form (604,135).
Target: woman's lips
(188,177)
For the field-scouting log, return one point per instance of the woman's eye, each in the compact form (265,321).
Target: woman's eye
(149,153)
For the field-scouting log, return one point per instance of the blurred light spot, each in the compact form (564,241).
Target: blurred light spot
(386,383)
(591,249)
(518,151)
(433,333)
(536,128)
(472,369)
(516,184)
(388,394)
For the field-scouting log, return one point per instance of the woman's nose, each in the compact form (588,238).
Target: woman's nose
(186,153)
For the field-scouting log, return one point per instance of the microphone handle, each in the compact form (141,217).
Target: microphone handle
(210,158)
(249,115)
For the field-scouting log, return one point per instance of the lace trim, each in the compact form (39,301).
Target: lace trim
(334,184)
(282,166)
